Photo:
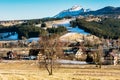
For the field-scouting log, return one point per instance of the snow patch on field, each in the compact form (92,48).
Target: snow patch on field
(8,36)
(66,23)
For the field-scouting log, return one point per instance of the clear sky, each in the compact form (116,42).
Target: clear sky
(31,9)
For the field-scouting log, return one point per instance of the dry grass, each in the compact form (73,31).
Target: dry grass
(28,70)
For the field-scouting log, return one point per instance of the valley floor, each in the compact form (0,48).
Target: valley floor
(29,70)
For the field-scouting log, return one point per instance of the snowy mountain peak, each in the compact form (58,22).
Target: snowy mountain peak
(75,8)
(74,11)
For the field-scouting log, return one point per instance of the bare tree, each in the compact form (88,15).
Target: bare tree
(99,54)
(48,44)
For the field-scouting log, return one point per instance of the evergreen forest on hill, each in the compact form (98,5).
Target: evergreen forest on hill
(107,28)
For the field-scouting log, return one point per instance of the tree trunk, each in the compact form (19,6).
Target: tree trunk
(51,66)
(49,69)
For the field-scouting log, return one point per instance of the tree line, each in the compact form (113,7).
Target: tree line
(32,31)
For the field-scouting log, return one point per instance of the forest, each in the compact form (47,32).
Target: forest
(29,29)
(107,27)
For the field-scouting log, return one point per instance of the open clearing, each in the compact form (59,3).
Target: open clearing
(29,70)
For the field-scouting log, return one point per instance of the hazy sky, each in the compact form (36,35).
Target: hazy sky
(30,9)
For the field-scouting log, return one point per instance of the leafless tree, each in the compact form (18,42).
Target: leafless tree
(49,45)
(99,54)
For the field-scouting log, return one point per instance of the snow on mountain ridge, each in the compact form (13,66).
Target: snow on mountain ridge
(74,11)
(75,8)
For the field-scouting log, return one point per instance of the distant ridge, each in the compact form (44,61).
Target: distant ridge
(78,10)
(105,11)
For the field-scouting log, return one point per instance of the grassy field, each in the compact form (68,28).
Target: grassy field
(29,70)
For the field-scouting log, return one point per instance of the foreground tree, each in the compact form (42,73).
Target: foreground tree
(98,56)
(48,46)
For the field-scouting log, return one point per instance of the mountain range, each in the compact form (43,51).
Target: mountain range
(74,11)
(78,10)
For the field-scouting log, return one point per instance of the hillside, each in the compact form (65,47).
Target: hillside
(107,28)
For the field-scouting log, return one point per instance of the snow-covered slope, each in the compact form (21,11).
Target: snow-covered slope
(74,11)
(66,23)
